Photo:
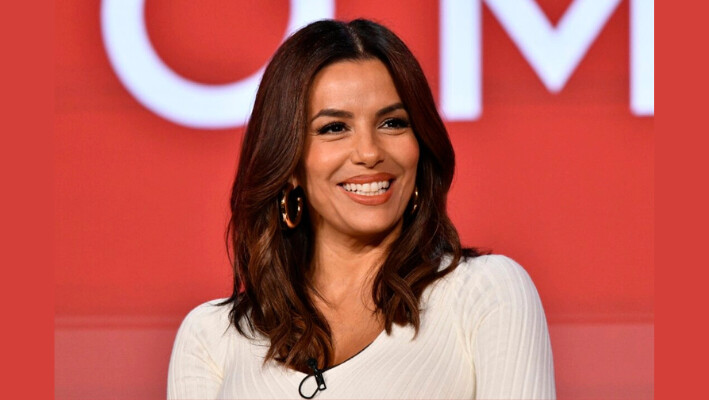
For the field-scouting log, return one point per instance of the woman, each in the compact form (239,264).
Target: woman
(349,278)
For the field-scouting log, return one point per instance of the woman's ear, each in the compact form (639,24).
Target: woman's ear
(297,178)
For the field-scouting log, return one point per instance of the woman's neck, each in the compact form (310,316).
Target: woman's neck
(344,266)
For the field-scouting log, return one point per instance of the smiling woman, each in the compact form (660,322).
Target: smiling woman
(361,154)
(349,278)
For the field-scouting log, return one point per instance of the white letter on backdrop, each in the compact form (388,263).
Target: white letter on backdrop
(552,52)
(460,60)
(170,95)
(642,57)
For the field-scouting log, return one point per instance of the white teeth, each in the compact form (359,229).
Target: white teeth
(367,189)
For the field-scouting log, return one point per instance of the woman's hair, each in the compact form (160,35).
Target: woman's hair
(271,264)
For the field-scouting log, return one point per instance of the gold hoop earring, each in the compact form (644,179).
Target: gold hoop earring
(285,214)
(415,200)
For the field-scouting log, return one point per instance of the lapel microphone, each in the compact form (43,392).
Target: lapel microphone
(319,379)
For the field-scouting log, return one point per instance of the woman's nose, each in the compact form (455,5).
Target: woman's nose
(367,149)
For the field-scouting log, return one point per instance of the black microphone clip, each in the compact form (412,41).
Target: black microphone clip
(319,379)
(313,364)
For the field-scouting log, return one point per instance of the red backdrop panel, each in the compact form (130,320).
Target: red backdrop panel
(562,182)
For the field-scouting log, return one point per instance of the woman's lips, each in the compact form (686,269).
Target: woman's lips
(361,179)
(369,190)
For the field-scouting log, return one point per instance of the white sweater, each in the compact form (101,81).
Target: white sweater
(483,335)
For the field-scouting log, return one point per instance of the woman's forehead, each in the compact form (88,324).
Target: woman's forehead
(352,84)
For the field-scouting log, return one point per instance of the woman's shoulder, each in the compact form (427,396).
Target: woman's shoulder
(494,277)
(199,354)
(500,316)
(207,320)
(493,267)
(205,333)
(488,285)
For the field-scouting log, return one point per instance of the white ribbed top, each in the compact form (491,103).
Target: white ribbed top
(483,335)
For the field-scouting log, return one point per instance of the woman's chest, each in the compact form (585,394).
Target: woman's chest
(434,365)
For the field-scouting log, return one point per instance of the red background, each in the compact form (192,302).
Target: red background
(561,182)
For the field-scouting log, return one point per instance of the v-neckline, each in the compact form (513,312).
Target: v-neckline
(355,358)
(362,350)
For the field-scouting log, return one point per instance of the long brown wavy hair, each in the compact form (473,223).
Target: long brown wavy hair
(270,293)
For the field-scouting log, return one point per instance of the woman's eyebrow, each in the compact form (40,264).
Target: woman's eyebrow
(331,112)
(386,110)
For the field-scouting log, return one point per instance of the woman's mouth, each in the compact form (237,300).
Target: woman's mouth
(367,189)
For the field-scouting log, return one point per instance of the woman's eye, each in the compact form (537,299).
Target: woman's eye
(396,123)
(335,127)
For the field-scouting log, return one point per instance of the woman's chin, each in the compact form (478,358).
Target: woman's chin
(375,230)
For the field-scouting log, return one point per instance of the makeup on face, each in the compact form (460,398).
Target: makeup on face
(361,154)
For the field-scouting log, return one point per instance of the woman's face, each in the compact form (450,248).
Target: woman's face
(359,165)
